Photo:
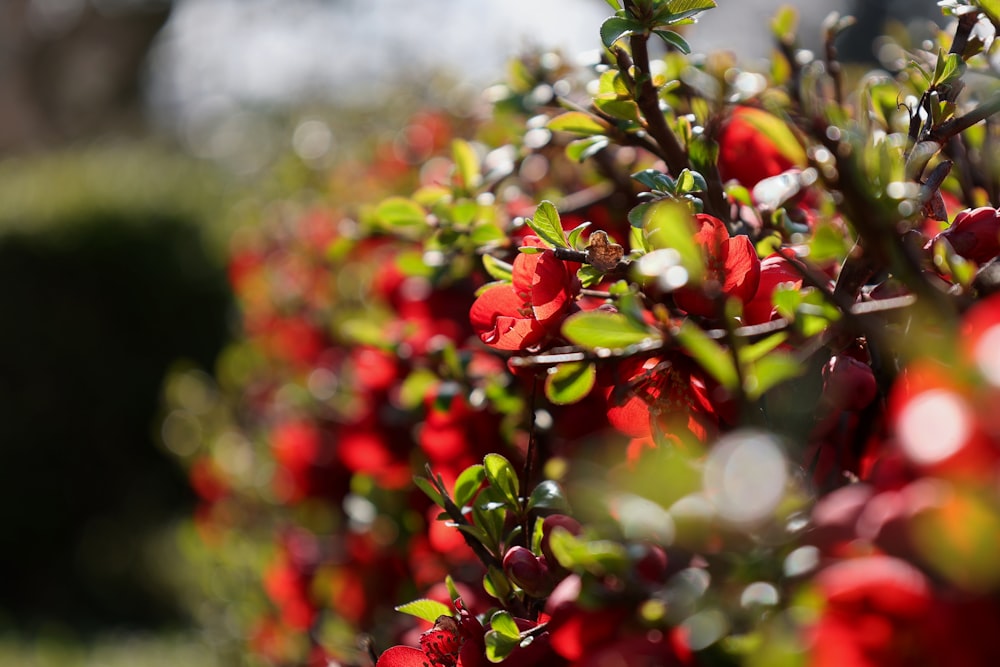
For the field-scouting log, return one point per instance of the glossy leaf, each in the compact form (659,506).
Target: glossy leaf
(570,382)
(715,359)
(498,269)
(429,610)
(466,164)
(599,329)
(581,149)
(616,27)
(577,122)
(503,623)
(468,484)
(548,495)
(501,476)
(546,224)
(675,40)
(400,212)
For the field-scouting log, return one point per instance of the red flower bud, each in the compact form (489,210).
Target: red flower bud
(848,384)
(527,571)
(975,234)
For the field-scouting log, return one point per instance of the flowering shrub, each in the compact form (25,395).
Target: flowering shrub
(674,363)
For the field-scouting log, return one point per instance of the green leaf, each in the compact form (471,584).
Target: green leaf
(425,485)
(570,382)
(546,224)
(589,275)
(769,372)
(949,68)
(785,24)
(626,110)
(577,122)
(614,4)
(429,610)
(677,11)
(400,212)
(452,588)
(504,624)
(468,484)
(711,356)
(674,39)
(575,233)
(487,234)
(581,149)
(415,387)
(671,225)
(616,27)
(501,476)
(496,583)
(498,269)
(599,557)
(498,646)
(466,164)
(637,216)
(599,329)
(548,495)
(751,353)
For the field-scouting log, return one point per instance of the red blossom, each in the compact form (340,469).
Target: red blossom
(974,234)
(775,270)
(746,153)
(732,269)
(520,314)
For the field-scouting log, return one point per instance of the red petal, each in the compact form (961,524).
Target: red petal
(742,268)
(402,656)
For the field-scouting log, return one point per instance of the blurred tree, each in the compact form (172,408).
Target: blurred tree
(71,69)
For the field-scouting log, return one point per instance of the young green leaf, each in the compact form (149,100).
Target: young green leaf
(466,165)
(599,329)
(400,212)
(498,269)
(499,646)
(548,495)
(570,382)
(770,371)
(581,149)
(674,39)
(501,476)
(503,623)
(468,484)
(711,356)
(425,485)
(671,225)
(546,224)
(616,27)
(429,610)
(577,122)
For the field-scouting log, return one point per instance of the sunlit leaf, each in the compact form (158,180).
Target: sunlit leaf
(429,610)
(577,122)
(546,224)
(715,359)
(570,382)
(466,164)
(498,269)
(581,149)
(468,484)
(548,495)
(399,212)
(503,623)
(616,27)
(675,40)
(599,329)
(501,475)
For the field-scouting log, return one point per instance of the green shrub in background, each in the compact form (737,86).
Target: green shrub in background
(110,272)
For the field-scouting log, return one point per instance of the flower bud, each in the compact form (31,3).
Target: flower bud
(527,571)
(848,384)
(975,234)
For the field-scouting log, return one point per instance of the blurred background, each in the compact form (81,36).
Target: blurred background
(134,137)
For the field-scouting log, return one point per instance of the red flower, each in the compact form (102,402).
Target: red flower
(732,268)
(749,147)
(520,314)
(671,390)
(975,234)
(874,606)
(775,270)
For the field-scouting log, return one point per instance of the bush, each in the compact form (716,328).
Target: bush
(672,363)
